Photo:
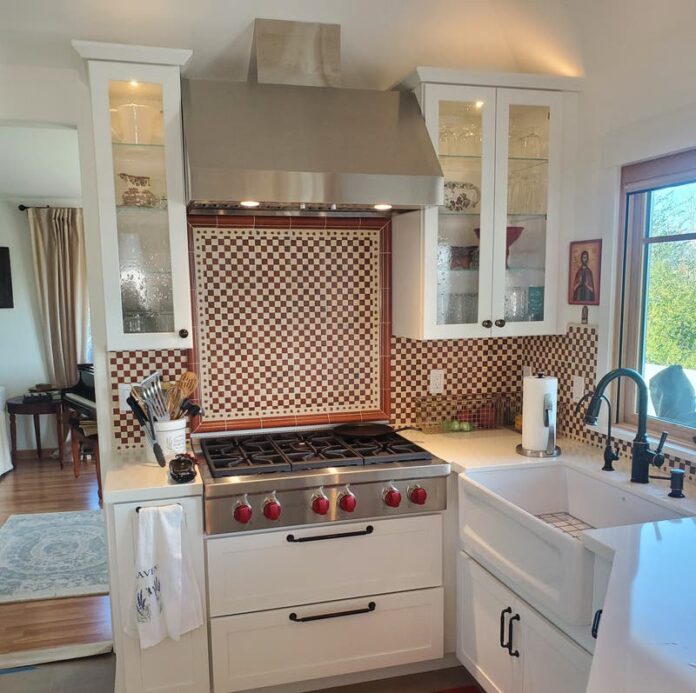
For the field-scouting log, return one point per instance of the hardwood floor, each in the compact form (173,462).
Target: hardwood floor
(40,486)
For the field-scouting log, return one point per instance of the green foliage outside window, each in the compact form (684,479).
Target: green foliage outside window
(670,336)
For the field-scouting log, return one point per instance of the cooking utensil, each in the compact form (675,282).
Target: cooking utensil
(188,408)
(367,430)
(174,401)
(153,397)
(148,428)
(187,384)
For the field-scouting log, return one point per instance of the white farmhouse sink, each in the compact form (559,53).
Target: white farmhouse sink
(500,527)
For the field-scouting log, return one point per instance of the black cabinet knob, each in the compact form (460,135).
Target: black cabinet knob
(500,323)
(183,333)
(487,324)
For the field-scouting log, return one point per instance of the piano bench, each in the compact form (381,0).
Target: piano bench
(83,441)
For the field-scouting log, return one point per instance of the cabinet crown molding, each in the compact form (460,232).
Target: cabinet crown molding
(129,53)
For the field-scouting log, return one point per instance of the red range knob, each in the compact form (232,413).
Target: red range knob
(418,495)
(392,498)
(320,505)
(347,502)
(271,510)
(242,513)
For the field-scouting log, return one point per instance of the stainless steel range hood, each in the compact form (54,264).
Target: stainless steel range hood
(286,145)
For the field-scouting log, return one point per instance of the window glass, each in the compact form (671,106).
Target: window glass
(667,356)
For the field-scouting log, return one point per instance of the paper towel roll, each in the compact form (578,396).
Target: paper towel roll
(535,435)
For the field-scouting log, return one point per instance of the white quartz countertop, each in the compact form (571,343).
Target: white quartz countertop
(647,635)
(493,448)
(132,478)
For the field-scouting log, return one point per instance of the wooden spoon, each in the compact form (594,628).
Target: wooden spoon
(187,384)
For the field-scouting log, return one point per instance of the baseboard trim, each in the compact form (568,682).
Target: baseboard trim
(447,662)
(54,654)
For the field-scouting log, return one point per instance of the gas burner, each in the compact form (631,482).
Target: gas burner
(243,455)
(390,447)
(316,449)
(304,450)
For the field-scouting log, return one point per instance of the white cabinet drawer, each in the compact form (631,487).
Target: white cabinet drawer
(267,571)
(270,647)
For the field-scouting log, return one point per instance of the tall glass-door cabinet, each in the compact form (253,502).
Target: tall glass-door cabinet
(486,262)
(136,111)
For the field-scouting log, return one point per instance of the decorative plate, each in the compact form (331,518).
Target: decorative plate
(460,197)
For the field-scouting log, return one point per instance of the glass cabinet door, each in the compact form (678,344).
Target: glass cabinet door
(142,211)
(525,224)
(140,187)
(462,126)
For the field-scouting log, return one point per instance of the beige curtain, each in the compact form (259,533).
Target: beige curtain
(58,247)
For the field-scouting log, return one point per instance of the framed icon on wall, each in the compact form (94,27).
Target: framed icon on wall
(585,272)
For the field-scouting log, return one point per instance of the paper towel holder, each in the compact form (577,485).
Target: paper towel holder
(552,450)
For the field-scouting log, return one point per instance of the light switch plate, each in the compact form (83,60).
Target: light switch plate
(437,382)
(578,388)
(124,390)
(526,370)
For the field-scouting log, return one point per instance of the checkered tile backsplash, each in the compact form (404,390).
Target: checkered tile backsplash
(473,367)
(287,321)
(132,367)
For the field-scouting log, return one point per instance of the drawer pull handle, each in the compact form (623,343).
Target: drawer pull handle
(507,610)
(140,507)
(364,532)
(595,623)
(516,653)
(336,614)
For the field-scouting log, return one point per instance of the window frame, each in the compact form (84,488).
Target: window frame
(637,181)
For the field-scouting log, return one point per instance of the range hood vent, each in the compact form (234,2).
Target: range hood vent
(287,145)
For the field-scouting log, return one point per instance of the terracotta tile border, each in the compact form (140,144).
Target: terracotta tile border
(229,221)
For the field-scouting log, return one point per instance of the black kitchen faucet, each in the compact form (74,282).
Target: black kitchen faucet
(642,456)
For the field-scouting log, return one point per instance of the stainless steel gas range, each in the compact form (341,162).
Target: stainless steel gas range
(263,481)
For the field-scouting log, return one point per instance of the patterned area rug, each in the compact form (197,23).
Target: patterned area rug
(48,555)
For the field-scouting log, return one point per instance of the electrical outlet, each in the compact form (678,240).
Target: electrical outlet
(437,382)
(124,390)
(526,370)
(578,388)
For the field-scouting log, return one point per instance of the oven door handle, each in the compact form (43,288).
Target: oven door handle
(336,614)
(320,537)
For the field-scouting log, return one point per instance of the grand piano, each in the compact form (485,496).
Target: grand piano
(80,397)
(79,403)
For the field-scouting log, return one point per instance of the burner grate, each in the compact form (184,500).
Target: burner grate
(298,451)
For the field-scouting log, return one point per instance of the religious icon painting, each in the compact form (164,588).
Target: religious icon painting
(585,272)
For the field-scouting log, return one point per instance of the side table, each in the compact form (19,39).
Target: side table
(16,406)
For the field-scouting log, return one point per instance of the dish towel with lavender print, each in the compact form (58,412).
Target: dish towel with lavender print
(166,600)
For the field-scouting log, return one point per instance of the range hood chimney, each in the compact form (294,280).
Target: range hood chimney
(290,138)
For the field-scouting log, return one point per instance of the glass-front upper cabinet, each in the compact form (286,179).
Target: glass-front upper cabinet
(459,234)
(487,260)
(142,213)
(528,156)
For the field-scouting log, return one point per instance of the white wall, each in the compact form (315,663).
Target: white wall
(21,357)
(60,96)
(639,102)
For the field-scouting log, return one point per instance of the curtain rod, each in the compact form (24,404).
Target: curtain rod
(24,208)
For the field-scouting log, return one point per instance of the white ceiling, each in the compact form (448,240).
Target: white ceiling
(39,163)
(382,40)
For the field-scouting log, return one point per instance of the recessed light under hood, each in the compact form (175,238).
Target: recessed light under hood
(287,145)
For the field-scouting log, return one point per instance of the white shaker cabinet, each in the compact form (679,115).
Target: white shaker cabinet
(170,666)
(486,262)
(507,645)
(138,147)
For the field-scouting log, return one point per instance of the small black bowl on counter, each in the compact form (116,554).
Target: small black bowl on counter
(182,469)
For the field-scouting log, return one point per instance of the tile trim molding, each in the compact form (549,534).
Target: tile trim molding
(382,227)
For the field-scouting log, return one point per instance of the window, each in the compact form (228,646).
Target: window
(658,292)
